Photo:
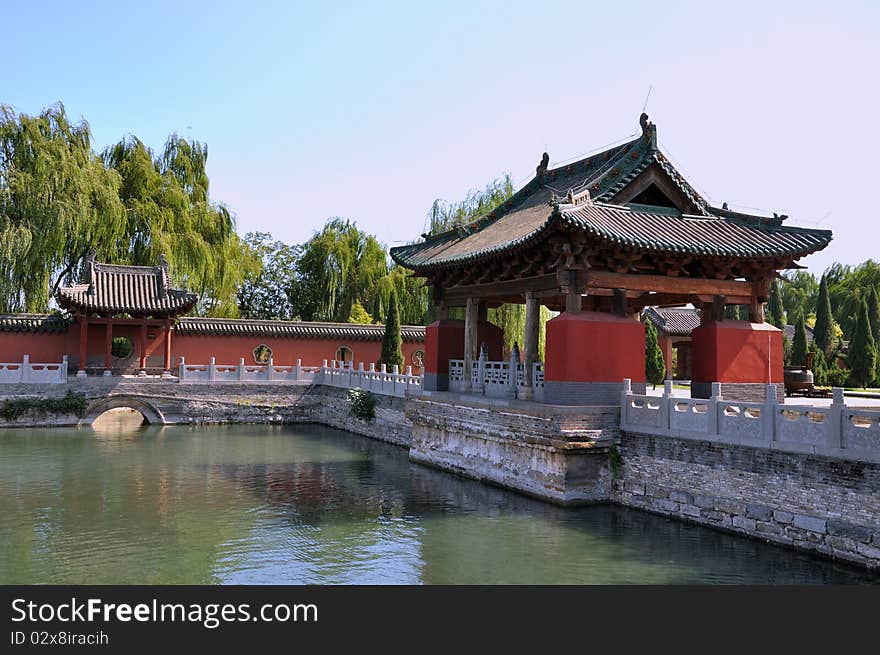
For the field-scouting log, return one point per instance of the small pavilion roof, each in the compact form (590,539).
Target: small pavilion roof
(580,195)
(673,321)
(140,291)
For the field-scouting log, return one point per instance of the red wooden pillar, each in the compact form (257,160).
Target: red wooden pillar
(167,367)
(108,349)
(83,344)
(143,365)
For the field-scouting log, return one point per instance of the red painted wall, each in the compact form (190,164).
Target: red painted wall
(594,347)
(737,351)
(444,340)
(196,349)
(42,348)
(285,351)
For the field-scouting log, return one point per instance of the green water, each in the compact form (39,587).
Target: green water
(305,504)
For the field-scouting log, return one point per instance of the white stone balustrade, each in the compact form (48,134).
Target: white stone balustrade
(381,381)
(27,372)
(212,372)
(493,378)
(835,431)
(336,374)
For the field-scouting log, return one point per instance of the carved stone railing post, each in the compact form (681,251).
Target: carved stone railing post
(181,376)
(835,419)
(625,400)
(62,373)
(512,370)
(666,404)
(212,369)
(481,369)
(241,368)
(768,413)
(714,407)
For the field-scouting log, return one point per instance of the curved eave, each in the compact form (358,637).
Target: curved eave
(817,240)
(484,254)
(185,304)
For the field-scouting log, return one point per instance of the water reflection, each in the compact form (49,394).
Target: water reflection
(305,504)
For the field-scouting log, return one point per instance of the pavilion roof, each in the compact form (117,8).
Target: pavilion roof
(677,321)
(580,195)
(140,291)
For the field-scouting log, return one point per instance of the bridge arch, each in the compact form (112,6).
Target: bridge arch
(151,414)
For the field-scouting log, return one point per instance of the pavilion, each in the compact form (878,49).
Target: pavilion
(115,296)
(599,240)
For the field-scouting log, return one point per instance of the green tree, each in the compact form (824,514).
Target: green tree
(655,366)
(799,346)
(359,314)
(266,293)
(874,319)
(338,265)
(392,352)
(168,211)
(57,203)
(799,293)
(846,289)
(862,356)
(823,331)
(775,311)
(820,367)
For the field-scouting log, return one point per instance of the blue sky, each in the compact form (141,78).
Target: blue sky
(372,110)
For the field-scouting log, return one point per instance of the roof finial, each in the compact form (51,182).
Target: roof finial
(649,130)
(542,168)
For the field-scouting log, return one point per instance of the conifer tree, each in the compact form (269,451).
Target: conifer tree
(775,312)
(862,356)
(392,352)
(799,346)
(823,331)
(655,366)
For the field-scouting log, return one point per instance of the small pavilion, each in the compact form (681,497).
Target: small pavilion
(599,240)
(114,296)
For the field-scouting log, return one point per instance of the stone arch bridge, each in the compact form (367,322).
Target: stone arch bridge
(165,402)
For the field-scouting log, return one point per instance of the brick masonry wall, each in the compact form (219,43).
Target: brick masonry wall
(820,504)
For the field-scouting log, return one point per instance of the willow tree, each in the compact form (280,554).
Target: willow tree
(338,265)
(169,211)
(57,203)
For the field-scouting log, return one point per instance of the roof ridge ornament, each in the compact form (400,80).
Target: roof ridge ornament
(649,130)
(90,270)
(541,170)
(166,275)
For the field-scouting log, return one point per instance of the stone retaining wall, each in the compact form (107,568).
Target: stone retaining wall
(821,504)
(330,406)
(559,454)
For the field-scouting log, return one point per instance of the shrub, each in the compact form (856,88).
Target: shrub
(71,403)
(121,347)
(362,404)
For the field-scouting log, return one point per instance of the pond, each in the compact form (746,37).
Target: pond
(306,504)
